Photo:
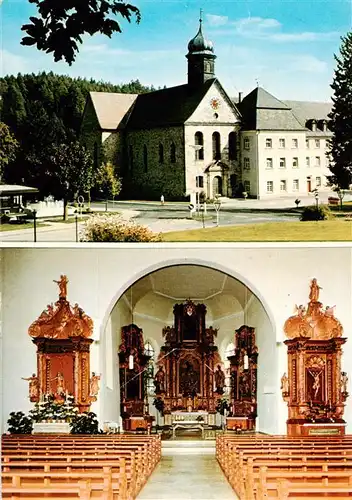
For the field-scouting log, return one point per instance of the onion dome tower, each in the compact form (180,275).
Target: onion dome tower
(201,59)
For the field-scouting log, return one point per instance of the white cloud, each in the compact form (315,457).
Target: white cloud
(269,29)
(255,24)
(306,63)
(305,36)
(214,20)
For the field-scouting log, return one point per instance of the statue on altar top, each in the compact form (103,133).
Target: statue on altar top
(62,286)
(314,291)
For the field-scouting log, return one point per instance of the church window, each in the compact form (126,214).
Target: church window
(173,153)
(149,351)
(130,154)
(161,153)
(246,143)
(247,187)
(95,155)
(230,351)
(145,158)
(232,146)
(199,146)
(216,146)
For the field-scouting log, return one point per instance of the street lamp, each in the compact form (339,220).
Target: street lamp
(35,225)
(202,209)
(217,206)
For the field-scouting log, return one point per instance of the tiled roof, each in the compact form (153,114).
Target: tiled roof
(167,107)
(262,111)
(111,108)
(305,110)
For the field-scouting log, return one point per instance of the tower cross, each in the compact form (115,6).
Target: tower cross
(201,15)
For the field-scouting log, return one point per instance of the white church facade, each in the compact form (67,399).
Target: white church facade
(119,286)
(195,138)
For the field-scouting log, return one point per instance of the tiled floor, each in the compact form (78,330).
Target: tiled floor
(187,473)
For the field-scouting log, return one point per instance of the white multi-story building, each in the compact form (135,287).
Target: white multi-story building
(283,145)
(194,137)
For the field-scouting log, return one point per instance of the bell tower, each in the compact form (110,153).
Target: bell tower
(201,59)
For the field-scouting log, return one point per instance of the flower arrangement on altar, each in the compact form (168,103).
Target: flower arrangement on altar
(54,409)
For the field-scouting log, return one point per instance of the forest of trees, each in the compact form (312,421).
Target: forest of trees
(43,112)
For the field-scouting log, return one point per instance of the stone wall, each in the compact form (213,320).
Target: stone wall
(154,179)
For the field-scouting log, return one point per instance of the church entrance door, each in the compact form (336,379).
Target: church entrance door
(217,186)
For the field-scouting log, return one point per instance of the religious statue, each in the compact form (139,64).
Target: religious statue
(316,384)
(60,387)
(344,382)
(33,387)
(314,291)
(244,385)
(284,384)
(62,286)
(159,381)
(94,385)
(189,380)
(329,311)
(219,380)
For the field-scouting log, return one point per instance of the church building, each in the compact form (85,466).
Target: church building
(195,138)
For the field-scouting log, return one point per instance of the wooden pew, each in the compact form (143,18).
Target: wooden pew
(258,468)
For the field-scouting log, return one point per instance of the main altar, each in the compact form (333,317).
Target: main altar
(190,378)
(314,388)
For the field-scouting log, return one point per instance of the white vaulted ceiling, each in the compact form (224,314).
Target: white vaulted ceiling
(155,294)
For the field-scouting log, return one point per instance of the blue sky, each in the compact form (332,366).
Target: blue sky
(287,46)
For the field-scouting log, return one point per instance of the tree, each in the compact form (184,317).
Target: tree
(71,171)
(341,118)
(107,183)
(60,24)
(8,147)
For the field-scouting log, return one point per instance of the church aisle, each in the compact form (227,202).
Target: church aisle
(187,473)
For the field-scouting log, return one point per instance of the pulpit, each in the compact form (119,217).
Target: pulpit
(61,334)
(132,363)
(315,388)
(243,366)
(192,379)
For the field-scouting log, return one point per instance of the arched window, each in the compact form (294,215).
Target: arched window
(232,146)
(95,155)
(145,157)
(173,153)
(130,154)
(216,146)
(199,146)
(161,153)
(230,351)
(149,351)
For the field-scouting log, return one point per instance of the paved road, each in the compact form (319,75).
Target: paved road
(173,217)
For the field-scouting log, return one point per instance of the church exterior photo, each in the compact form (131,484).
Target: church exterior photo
(267,329)
(195,138)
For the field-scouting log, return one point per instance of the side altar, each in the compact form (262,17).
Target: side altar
(315,388)
(190,377)
(61,335)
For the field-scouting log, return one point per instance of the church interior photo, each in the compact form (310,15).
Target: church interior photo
(124,369)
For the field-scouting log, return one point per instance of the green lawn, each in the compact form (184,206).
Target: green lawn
(330,230)
(16,227)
